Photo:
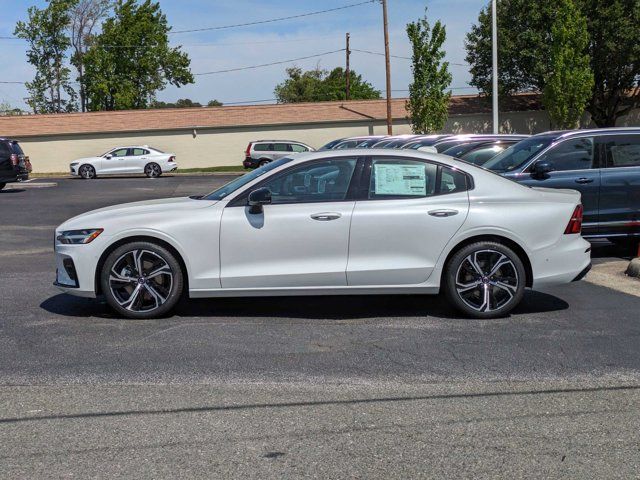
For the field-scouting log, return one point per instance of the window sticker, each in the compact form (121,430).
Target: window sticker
(398,179)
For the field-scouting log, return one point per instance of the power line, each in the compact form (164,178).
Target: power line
(272,20)
(269,64)
(403,58)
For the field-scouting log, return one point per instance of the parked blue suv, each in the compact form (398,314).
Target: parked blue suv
(603,164)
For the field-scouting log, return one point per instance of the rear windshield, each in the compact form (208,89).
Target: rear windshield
(519,154)
(15,148)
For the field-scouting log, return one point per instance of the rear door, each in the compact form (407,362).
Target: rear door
(410,211)
(136,160)
(576,165)
(620,190)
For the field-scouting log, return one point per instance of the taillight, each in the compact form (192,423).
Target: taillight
(14,160)
(575,224)
(172,158)
(247,152)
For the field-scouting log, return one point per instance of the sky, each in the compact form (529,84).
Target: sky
(273,42)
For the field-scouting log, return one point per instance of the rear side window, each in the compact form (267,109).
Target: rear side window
(402,179)
(262,147)
(298,148)
(453,181)
(623,151)
(282,147)
(139,151)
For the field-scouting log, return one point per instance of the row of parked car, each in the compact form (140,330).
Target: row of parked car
(603,165)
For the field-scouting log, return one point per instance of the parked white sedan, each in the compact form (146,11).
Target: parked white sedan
(332,223)
(125,160)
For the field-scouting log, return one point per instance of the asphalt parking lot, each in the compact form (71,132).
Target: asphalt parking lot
(388,386)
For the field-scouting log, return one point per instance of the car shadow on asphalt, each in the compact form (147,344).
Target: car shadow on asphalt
(308,308)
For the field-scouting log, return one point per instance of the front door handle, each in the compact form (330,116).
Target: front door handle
(326,217)
(584,180)
(443,213)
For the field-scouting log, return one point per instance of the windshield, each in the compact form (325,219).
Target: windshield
(331,144)
(234,185)
(519,154)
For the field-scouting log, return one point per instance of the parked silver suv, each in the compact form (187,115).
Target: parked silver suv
(261,152)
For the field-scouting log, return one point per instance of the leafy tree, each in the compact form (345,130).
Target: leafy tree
(85,15)
(428,103)
(7,110)
(180,103)
(525,51)
(214,103)
(45,31)
(130,77)
(569,83)
(319,85)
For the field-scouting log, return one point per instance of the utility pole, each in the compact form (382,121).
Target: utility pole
(347,71)
(494,45)
(388,65)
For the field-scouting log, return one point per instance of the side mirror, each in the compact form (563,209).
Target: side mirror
(541,169)
(108,156)
(258,198)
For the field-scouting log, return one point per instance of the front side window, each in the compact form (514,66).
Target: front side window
(324,181)
(298,148)
(519,154)
(121,152)
(402,178)
(574,154)
(623,151)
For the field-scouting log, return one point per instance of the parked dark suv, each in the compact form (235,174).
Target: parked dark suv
(604,165)
(14,165)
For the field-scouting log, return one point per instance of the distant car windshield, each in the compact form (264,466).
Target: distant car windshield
(331,144)
(519,154)
(233,185)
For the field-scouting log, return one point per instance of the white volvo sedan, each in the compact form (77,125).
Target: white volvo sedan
(332,223)
(125,160)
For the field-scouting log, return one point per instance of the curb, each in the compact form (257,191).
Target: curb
(32,184)
(633,270)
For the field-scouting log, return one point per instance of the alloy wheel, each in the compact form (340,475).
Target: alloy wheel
(153,170)
(486,280)
(141,281)
(86,172)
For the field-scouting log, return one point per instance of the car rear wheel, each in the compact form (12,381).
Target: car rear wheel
(152,170)
(485,280)
(262,163)
(87,172)
(142,280)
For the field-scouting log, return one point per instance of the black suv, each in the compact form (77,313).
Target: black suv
(14,165)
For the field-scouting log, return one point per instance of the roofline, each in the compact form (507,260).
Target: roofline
(590,131)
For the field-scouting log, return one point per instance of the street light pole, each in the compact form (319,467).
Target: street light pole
(388,66)
(494,46)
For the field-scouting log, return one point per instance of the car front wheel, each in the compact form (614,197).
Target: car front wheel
(485,280)
(87,172)
(142,280)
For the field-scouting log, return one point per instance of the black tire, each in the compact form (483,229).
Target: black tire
(152,170)
(262,163)
(2,185)
(156,296)
(505,287)
(87,172)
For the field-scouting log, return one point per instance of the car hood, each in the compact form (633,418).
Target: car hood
(86,159)
(138,211)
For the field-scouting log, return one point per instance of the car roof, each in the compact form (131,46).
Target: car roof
(588,131)
(278,141)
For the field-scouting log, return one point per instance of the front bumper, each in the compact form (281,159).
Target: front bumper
(76,267)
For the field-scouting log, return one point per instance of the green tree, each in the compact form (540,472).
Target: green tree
(319,85)
(214,103)
(131,60)
(525,43)
(428,103)
(50,91)
(569,83)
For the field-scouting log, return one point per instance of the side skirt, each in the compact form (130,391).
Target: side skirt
(309,291)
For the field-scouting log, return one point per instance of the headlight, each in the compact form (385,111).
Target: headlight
(79,237)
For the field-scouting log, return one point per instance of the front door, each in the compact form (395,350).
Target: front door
(412,210)
(116,163)
(575,165)
(301,239)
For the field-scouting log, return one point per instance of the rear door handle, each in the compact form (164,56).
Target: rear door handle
(326,217)
(584,180)
(443,213)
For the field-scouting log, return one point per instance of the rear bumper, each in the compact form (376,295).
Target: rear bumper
(583,273)
(249,163)
(564,262)
(14,177)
